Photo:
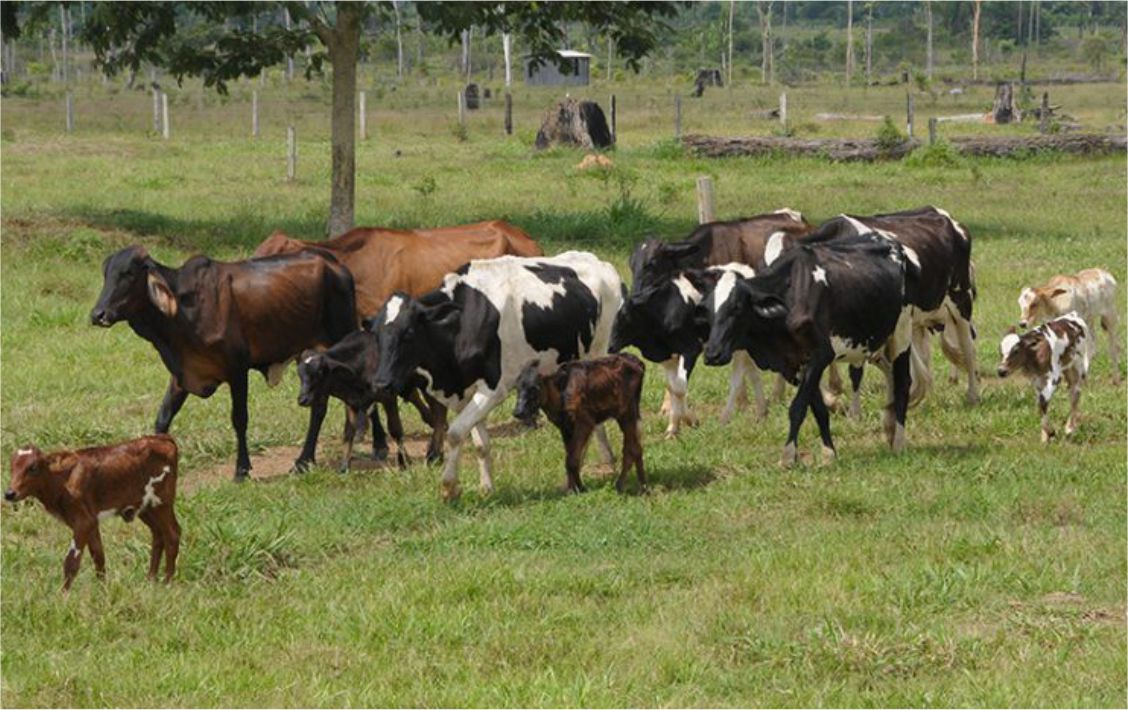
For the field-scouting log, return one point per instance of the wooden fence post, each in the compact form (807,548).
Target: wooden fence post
(677,116)
(461,108)
(1044,118)
(164,116)
(363,109)
(705,211)
(254,115)
(291,153)
(508,113)
(909,112)
(932,131)
(156,109)
(614,133)
(70,112)
(783,109)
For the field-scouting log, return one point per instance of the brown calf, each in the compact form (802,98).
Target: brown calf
(132,479)
(581,395)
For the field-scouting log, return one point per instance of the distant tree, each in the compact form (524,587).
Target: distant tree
(1096,49)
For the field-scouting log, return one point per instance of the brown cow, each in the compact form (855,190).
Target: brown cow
(212,322)
(581,395)
(384,261)
(132,479)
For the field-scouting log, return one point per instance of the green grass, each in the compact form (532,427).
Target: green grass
(980,568)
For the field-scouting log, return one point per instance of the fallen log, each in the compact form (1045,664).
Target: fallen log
(966,118)
(848,117)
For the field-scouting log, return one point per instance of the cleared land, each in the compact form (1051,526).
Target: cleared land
(980,568)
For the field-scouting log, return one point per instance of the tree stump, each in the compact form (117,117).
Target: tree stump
(574,123)
(706,77)
(1004,109)
(471,94)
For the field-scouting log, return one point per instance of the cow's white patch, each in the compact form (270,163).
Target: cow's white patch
(848,350)
(73,550)
(392,309)
(859,228)
(774,247)
(308,360)
(274,373)
(793,214)
(724,289)
(958,227)
(1009,341)
(150,499)
(735,267)
(819,274)
(912,255)
(103,514)
(688,293)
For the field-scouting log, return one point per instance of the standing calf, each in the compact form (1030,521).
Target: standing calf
(581,395)
(132,479)
(1091,293)
(1060,348)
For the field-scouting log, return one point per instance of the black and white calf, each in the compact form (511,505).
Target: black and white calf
(944,294)
(667,322)
(839,297)
(1061,348)
(347,371)
(471,338)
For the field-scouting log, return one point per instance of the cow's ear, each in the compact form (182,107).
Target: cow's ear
(678,251)
(1055,293)
(1042,355)
(445,315)
(77,481)
(161,295)
(771,307)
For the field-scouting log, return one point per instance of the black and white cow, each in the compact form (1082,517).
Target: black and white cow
(471,338)
(838,296)
(944,295)
(666,321)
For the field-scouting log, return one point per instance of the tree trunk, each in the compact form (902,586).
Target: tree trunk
(64,16)
(610,58)
(507,48)
(399,40)
(869,43)
(764,9)
(289,57)
(975,41)
(466,54)
(728,66)
(344,52)
(928,50)
(849,40)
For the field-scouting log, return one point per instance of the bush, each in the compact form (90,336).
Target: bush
(941,154)
(889,137)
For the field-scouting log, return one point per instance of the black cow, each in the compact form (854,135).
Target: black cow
(837,296)
(472,337)
(212,322)
(347,371)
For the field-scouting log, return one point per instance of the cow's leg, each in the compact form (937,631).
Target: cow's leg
(605,449)
(631,426)
(1109,322)
(967,348)
(395,428)
(379,438)
(238,384)
(737,394)
(777,393)
(438,424)
(920,365)
(349,437)
(664,410)
(97,552)
(575,446)
(1043,411)
(1074,379)
(82,528)
(797,412)
(309,449)
(164,518)
(474,413)
(481,438)
(677,384)
(157,548)
(856,373)
(822,418)
(899,381)
(173,401)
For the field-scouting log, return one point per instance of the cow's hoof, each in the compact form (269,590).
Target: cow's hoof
(1047,435)
(973,398)
(301,466)
(242,475)
(790,454)
(343,468)
(690,420)
(380,454)
(451,491)
(725,418)
(434,458)
(829,455)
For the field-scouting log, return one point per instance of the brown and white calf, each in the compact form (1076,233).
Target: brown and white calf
(1091,293)
(579,396)
(133,479)
(1060,348)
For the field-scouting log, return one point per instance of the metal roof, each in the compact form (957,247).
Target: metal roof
(571,54)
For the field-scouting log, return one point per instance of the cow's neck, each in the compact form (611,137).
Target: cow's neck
(159,329)
(448,375)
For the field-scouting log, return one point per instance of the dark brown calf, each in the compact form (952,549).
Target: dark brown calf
(132,479)
(581,395)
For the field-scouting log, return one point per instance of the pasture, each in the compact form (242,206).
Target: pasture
(979,568)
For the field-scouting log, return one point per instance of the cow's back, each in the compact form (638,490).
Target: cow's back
(747,241)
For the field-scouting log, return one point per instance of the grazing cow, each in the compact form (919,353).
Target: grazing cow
(384,261)
(578,397)
(346,371)
(212,322)
(944,294)
(1091,293)
(134,479)
(667,323)
(471,338)
(1060,348)
(843,296)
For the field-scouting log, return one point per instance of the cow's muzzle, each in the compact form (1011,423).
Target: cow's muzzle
(716,356)
(11,496)
(1022,324)
(101,318)
(1003,372)
(305,399)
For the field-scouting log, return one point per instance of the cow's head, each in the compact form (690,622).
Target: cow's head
(407,331)
(1037,305)
(528,388)
(1028,353)
(131,281)
(660,320)
(28,469)
(313,370)
(654,261)
(740,312)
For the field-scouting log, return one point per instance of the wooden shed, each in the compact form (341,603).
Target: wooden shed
(576,64)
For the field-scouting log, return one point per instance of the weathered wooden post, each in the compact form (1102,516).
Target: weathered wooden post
(909,112)
(70,112)
(677,116)
(156,109)
(291,153)
(461,108)
(932,131)
(254,115)
(508,113)
(165,128)
(614,133)
(1044,117)
(705,212)
(362,108)
(783,109)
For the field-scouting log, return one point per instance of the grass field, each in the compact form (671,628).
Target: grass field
(980,568)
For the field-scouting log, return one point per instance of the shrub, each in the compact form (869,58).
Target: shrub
(941,154)
(889,137)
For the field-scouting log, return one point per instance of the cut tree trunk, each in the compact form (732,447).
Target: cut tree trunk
(574,123)
(975,40)
(344,51)
(1004,109)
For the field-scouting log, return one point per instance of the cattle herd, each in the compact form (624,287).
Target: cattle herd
(453,319)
